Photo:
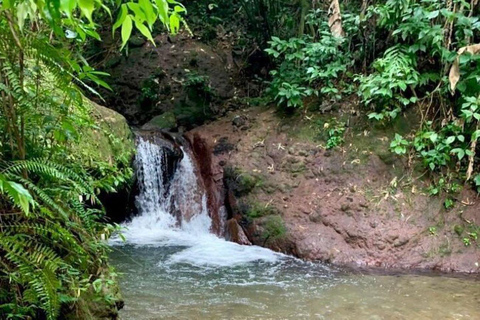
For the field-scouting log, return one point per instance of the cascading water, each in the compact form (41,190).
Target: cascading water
(174,268)
(173,212)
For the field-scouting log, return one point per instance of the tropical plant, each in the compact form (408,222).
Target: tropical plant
(311,65)
(52,233)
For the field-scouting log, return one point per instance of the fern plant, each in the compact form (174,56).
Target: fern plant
(385,89)
(51,254)
(52,232)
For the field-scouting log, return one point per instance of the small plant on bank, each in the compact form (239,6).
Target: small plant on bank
(335,131)
(274,228)
(257,210)
(468,234)
(399,145)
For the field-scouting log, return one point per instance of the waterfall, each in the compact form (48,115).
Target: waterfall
(152,202)
(166,205)
(173,212)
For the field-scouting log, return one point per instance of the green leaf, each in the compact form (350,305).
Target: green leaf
(150,15)
(477,180)
(433,14)
(17,193)
(179,9)
(87,7)
(121,17)
(402,86)
(144,30)
(163,11)
(7,4)
(459,152)
(475,135)
(174,23)
(126,30)
(21,14)
(68,6)
(450,140)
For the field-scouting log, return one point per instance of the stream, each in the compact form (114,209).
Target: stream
(185,272)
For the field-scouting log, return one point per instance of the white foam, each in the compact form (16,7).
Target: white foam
(215,252)
(156,226)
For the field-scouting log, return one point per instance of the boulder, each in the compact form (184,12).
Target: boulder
(166,121)
(235,233)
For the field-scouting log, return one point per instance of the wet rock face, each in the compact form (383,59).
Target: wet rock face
(202,152)
(182,79)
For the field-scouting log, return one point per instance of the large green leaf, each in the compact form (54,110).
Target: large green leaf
(126,30)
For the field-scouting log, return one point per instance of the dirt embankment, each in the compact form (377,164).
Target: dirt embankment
(354,205)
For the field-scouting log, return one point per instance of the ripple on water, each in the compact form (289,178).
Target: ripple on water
(157,286)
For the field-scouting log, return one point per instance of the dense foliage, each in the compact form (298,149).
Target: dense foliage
(395,57)
(400,56)
(52,232)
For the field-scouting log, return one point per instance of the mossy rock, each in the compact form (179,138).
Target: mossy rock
(166,121)
(194,109)
(241,183)
(108,141)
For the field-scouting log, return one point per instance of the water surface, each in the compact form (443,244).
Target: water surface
(178,270)
(162,283)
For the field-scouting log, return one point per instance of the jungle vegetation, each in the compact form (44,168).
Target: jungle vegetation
(393,57)
(53,252)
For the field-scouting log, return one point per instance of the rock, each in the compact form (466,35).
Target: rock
(303,153)
(110,143)
(341,214)
(96,145)
(136,41)
(203,154)
(165,121)
(113,62)
(239,121)
(400,242)
(235,233)
(458,229)
(316,217)
(223,146)
(386,156)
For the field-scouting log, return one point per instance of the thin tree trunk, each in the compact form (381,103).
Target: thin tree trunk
(335,19)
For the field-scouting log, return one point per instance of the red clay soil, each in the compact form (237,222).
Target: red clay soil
(345,206)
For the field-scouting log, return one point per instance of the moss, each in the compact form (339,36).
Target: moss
(241,183)
(165,121)
(257,210)
(269,188)
(458,229)
(246,182)
(274,228)
(294,165)
(106,147)
(110,140)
